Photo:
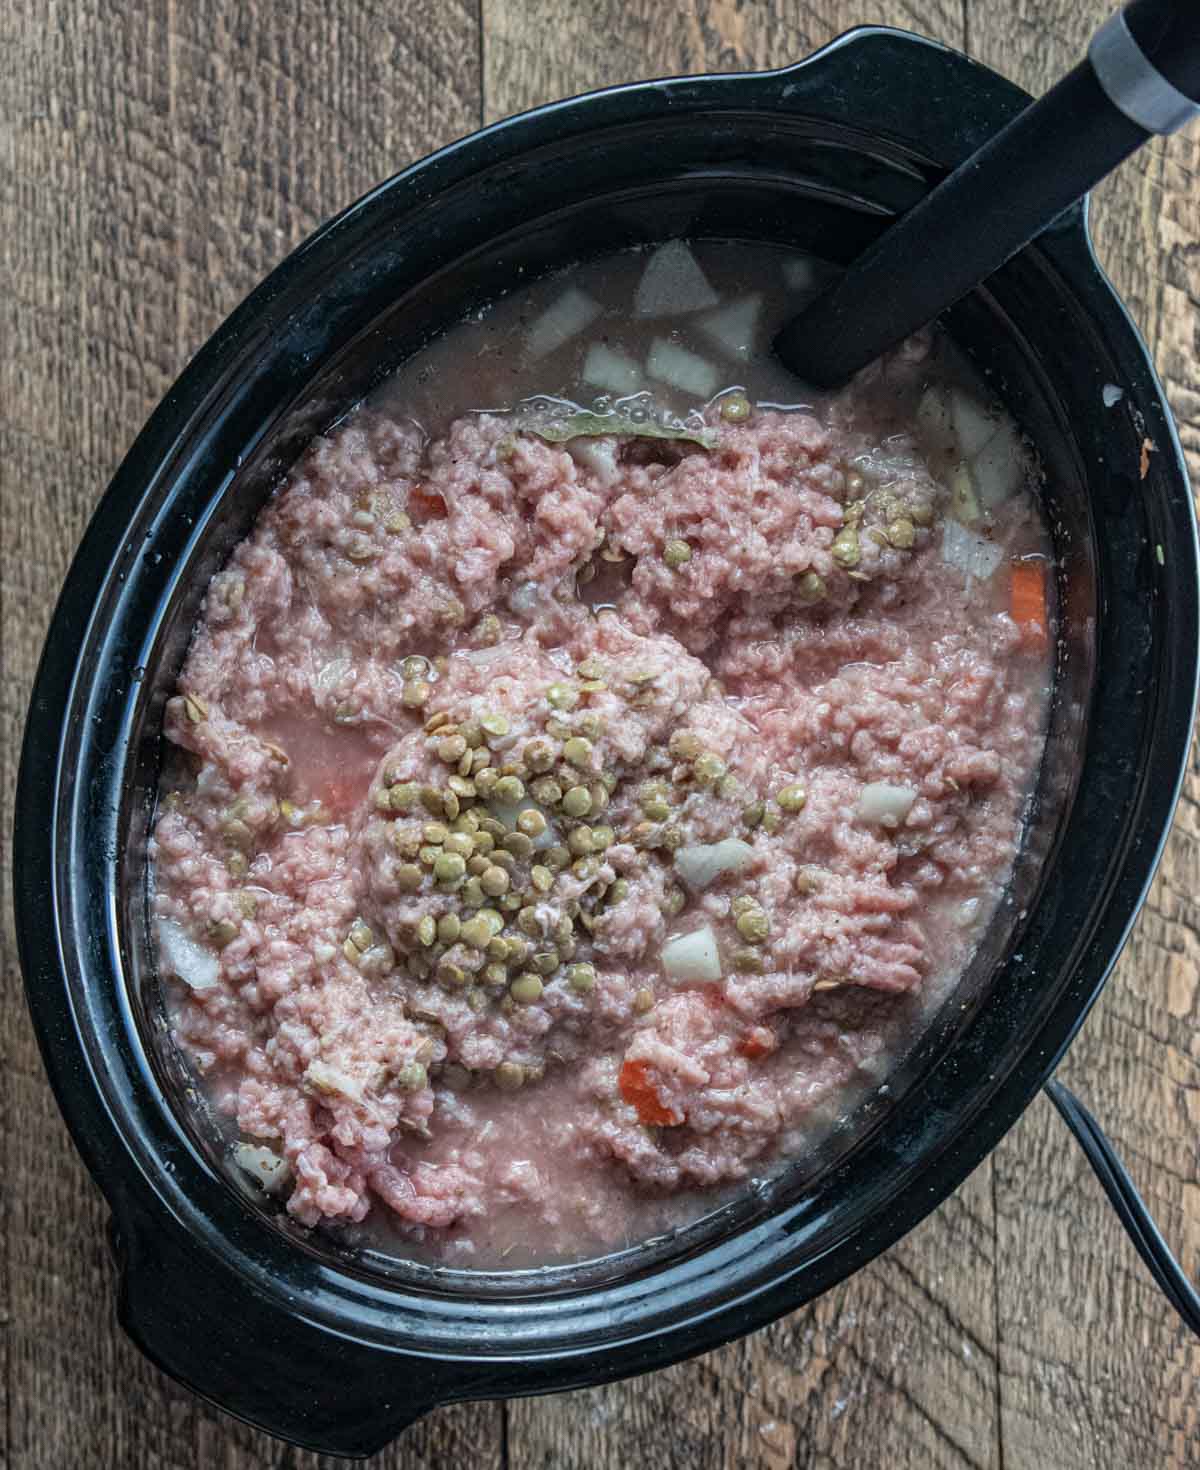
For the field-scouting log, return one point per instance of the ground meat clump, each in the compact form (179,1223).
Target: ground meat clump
(553,825)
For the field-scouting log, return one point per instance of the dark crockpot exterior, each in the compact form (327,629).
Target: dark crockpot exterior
(329,1352)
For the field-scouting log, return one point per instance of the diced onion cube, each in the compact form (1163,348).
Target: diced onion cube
(702,863)
(692,956)
(673,284)
(731,328)
(565,317)
(604,367)
(181,956)
(970,554)
(264,1165)
(885,804)
(678,368)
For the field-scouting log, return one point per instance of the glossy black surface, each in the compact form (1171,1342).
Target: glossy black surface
(339,1352)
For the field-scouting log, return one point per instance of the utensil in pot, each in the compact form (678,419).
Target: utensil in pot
(1141,78)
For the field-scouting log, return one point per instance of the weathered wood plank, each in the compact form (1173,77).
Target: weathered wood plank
(898,1366)
(1095,1369)
(156,159)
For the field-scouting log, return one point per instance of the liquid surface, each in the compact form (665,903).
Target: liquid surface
(568,828)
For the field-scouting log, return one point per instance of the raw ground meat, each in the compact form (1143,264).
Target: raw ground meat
(452,714)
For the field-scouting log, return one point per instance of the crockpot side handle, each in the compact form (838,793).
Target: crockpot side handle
(273,1368)
(1130,1206)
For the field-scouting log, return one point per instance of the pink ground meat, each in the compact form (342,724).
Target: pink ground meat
(453,719)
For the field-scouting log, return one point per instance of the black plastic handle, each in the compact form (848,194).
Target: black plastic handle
(273,1368)
(1130,1206)
(995,202)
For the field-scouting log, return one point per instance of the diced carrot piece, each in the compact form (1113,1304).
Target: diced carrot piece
(757,1043)
(639,1092)
(1027,602)
(426,505)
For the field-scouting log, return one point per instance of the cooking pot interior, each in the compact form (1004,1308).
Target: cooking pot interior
(826,191)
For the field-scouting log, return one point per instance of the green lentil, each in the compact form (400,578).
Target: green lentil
(462,788)
(590,725)
(471,893)
(360,934)
(579,841)
(753,926)
(578,751)
(509,789)
(449,867)
(810,587)
(735,408)
(526,988)
(518,844)
(531,822)
(436,721)
(448,928)
(546,791)
(581,978)
(415,693)
(477,865)
(509,1076)
(223,932)
(495,975)
(556,858)
(431,800)
(643,1000)
(792,798)
(494,882)
(746,962)
(484,841)
(495,725)
(709,768)
(486,782)
(434,833)
(619,892)
(529,923)
(502,858)
(684,745)
(845,547)
(409,878)
(577,802)
(562,696)
(539,755)
(541,878)
(656,809)
(451,974)
(901,534)
(460,842)
(674,901)
(602,837)
(676,554)
(545,961)
(476,932)
(413,1077)
(451,749)
(404,795)
(427,930)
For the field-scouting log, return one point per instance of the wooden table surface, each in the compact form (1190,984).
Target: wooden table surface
(157,157)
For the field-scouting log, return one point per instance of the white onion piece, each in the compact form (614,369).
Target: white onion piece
(678,368)
(524,599)
(886,804)
(971,554)
(263,1165)
(597,455)
(605,367)
(333,1081)
(673,284)
(964,503)
(933,418)
(999,469)
(182,957)
(732,327)
(692,956)
(974,425)
(702,863)
(565,317)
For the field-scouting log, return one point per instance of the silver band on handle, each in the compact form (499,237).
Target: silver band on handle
(1132,82)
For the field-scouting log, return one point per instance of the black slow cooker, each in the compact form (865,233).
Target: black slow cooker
(337,1349)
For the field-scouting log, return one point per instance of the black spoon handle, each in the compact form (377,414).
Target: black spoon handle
(1141,77)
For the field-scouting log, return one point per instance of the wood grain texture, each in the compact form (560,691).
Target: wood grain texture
(156,158)
(1095,1370)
